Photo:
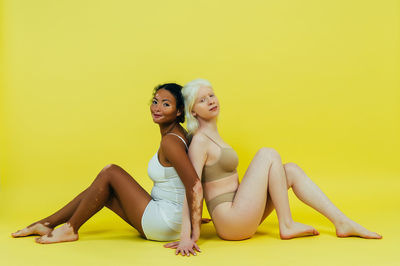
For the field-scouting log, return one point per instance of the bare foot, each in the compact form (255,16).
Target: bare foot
(297,230)
(33,229)
(351,228)
(64,233)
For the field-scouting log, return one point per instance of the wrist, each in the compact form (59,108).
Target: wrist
(185,238)
(195,236)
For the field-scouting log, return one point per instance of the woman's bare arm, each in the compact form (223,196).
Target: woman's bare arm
(198,156)
(175,152)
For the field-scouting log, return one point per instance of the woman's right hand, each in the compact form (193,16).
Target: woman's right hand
(205,220)
(184,247)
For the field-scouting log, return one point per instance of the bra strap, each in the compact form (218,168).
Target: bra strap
(212,140)
(184,142)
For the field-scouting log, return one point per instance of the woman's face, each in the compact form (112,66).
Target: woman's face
(206,105)
(163,107)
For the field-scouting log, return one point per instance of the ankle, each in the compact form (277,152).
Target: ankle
(339,219)
(71,228)
(286,224)
(47,223)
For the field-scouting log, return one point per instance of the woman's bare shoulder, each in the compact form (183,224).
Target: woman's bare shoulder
(199,143)
(170,141)
(199,139)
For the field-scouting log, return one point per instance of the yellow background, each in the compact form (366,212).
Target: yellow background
(316,80)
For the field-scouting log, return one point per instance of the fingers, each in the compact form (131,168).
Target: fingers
(185,252)
(184,248)
(181,251)
(169,244)
(192,251)
(196,247)
(172,245)
(205,220)
(188,251)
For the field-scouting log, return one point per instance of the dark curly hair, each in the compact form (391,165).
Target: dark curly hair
(176,91)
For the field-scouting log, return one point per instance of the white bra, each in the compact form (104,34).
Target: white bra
(166,178)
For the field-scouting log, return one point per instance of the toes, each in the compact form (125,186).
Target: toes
(375,235)
(19,233)
(368,235)
(42,239)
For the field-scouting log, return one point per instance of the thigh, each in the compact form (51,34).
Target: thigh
(251,196)
(114,205)
(132,198)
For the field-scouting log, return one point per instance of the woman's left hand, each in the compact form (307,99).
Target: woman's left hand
(185,247)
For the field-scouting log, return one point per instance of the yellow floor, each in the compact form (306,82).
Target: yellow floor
(107,240)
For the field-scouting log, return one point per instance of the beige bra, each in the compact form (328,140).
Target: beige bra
(223,167)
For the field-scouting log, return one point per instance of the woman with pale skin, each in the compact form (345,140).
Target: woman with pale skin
(157,216)
(237,209)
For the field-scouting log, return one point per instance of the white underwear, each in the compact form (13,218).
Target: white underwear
(154,224)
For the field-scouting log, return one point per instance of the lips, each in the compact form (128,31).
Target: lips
(156,115)
(214,108)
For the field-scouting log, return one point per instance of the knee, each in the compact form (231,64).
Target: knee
(292,176)
(269,153)
(108,171)
(290,167)
(110,167)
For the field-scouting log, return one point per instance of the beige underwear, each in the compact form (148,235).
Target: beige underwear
(225,197)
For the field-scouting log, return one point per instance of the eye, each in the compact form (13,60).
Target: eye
(211,95)
(154,102)
(166,104)
(202,100)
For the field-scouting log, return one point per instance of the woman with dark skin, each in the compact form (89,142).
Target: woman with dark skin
(117,190)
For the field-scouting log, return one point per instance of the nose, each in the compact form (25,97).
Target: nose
(210,101)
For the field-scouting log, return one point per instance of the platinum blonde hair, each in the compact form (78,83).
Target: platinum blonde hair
(189,92)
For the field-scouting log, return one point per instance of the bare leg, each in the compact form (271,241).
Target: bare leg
(277,190)
(309,193)
(269,207)
(114,188)
(46,225)
(264,176)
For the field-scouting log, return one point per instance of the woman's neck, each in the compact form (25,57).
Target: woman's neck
(169,127)
(208,126)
